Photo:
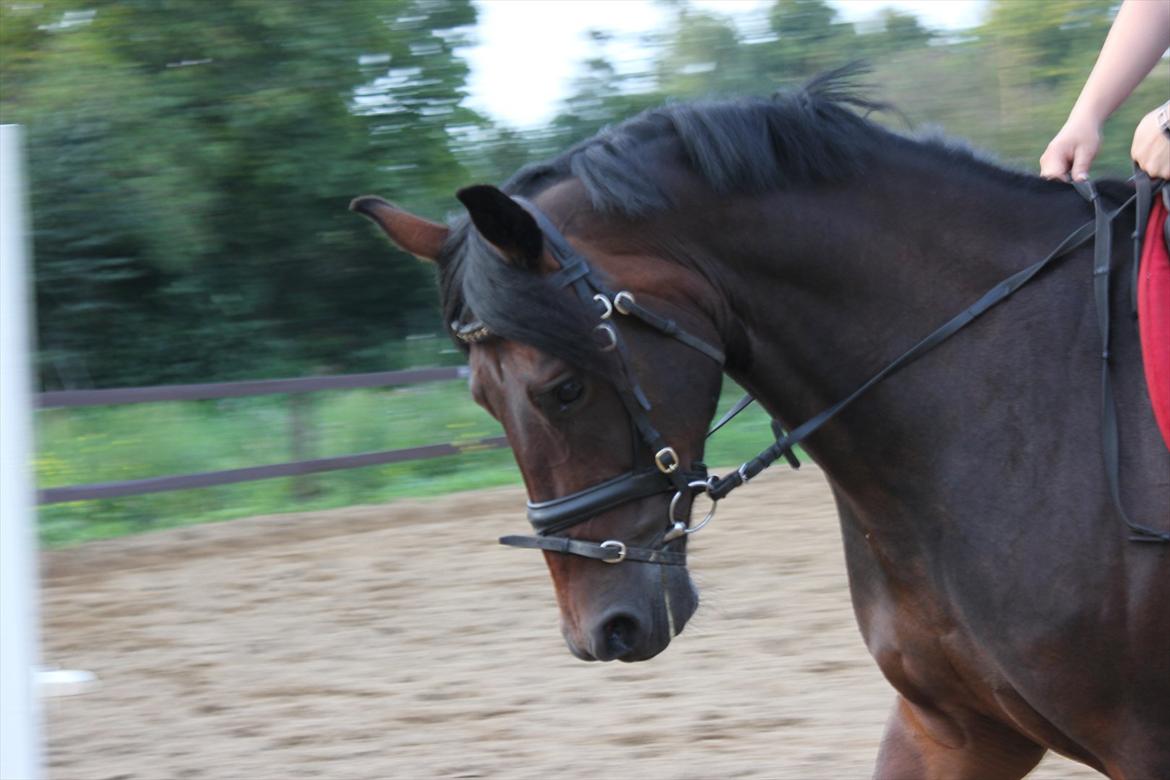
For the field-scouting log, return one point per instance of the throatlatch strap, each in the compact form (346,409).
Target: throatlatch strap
(669,327)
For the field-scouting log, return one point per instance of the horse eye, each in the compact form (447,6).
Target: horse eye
(569,391)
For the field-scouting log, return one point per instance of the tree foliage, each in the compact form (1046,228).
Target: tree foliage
(191,161)
(191,164)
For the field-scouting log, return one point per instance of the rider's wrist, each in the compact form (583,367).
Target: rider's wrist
(1088,112)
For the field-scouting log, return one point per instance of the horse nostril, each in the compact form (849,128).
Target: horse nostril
(620,634)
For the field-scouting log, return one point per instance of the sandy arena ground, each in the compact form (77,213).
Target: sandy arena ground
(400,641)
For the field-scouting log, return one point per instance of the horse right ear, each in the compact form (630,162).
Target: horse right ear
(505,224)
(420,237)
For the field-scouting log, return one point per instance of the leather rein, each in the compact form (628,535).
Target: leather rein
(550,519)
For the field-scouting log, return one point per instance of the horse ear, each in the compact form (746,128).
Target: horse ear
(504,223)
(420,237)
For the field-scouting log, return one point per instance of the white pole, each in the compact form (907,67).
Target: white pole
(20,726)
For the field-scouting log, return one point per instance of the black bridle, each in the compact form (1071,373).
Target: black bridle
(550,518)
(553,517)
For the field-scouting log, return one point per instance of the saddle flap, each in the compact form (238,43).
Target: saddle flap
(1154,315)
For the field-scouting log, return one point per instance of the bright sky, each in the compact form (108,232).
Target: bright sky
(529,50)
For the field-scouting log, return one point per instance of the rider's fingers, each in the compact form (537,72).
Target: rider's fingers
(1082,159)
(1054,164)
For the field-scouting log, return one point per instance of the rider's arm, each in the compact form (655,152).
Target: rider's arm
(1139,36)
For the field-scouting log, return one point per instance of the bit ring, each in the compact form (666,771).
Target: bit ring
(679,527)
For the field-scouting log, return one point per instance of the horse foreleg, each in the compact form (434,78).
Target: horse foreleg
(927,744)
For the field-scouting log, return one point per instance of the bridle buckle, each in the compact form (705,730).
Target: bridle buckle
(614,544)
(666,459)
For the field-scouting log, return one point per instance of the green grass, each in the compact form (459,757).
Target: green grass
(103,444)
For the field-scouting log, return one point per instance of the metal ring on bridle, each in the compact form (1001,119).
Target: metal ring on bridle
(606,306)
(620,299)
(676,523)
(606,328)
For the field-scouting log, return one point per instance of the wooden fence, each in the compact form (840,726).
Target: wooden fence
(295,388)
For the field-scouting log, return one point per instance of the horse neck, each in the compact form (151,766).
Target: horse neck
(830,285)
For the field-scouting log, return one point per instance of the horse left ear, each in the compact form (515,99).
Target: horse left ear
(421,237)
(505,224)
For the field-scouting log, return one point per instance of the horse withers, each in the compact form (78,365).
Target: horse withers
(799,247)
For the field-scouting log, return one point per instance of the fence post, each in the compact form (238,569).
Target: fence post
(19,703)
(304,442)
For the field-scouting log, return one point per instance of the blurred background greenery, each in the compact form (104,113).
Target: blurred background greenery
(191,163)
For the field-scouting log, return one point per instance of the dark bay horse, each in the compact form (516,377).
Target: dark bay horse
(799,247)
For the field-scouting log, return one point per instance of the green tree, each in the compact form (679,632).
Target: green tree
(191,165)
(900,32)
(1041,54)
(704,56)
(809,39)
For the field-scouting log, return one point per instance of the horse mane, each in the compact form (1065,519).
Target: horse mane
(744,145)
(816,134)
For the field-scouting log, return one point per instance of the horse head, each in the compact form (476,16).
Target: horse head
(599,362)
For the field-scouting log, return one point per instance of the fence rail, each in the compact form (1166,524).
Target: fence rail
(296,468)
(205,392)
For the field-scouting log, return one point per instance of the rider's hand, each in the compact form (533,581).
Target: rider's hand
(1072,150)
(1151,147)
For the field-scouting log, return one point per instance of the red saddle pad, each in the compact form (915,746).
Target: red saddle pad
(1154,316)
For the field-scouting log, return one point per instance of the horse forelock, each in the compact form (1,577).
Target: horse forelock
(514,304)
